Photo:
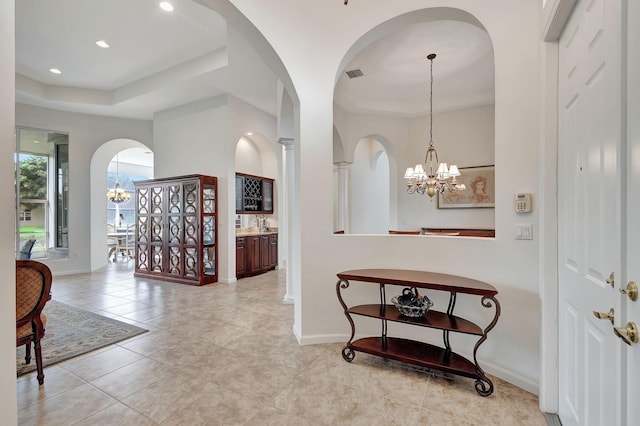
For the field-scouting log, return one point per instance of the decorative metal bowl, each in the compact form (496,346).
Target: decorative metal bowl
(414,310)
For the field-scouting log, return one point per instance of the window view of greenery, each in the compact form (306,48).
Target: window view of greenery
(33,199)
(42,191)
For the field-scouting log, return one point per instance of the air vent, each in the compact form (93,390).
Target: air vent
(355,73)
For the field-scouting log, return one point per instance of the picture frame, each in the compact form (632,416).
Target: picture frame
(480,191)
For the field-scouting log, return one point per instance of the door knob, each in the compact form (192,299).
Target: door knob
(604,315)
(628,334)
(611,280)
(631,290)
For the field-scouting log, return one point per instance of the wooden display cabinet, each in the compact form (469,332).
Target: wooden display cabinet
(176,229)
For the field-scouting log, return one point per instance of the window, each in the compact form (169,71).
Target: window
(42,191)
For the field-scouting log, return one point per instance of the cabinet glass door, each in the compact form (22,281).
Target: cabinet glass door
(208,230)
(267,195)
(239,192)
(209,199)
(209,260)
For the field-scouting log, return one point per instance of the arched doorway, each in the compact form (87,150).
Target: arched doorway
(100,162)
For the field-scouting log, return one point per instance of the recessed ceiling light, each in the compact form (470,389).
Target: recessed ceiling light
(36,141)
(102,44)
(55,71)
(249,133)
(166,6)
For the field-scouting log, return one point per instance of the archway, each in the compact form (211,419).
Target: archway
(98,182)
(370,174)
(255,156)
(392,96)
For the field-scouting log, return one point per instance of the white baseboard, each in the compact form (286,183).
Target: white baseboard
(296,334)
(288,300)
(324,338)
(510,376)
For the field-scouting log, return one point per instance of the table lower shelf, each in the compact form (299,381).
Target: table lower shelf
(417,353)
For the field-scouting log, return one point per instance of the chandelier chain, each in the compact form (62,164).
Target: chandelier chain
(431,103)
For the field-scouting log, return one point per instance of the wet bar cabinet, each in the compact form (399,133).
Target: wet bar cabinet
(177,229)
(414,352)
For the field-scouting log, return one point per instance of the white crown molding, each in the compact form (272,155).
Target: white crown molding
(210,62)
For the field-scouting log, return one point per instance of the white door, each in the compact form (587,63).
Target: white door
(590,191)
(631,390)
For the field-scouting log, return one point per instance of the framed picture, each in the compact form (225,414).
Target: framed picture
(480,189)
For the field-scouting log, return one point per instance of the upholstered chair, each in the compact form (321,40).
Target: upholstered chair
(33,290)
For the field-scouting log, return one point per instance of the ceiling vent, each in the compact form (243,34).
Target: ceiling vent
(355,73)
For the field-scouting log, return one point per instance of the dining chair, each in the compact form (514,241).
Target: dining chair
(25,250)
(112,243)
(33,291)
(127,245)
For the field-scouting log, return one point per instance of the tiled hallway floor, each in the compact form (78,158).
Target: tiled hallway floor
(205,361)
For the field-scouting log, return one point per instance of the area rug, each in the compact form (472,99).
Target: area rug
(71,332)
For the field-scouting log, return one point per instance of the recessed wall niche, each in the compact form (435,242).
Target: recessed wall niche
(392,101)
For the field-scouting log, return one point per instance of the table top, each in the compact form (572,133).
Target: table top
(421,279)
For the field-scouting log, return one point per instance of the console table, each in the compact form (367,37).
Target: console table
(411,351)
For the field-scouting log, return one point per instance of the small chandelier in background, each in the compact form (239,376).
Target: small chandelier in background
(117,195)
(432,177)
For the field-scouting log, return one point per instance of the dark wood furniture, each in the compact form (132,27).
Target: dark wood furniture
(33,290)
(414,352)
(461,232)
(394,232)
(254,194)
(256,253)
(176,236)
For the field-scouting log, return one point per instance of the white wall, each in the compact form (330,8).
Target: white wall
(201,138)
(512,350)
(369,189)
(463,137)
(87,133)
(248,158)
(8,401)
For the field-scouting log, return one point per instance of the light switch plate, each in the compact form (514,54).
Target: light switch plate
(524,231)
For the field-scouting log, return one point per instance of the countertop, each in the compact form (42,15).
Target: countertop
(248,232)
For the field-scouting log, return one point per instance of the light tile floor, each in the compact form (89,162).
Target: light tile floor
(205,362)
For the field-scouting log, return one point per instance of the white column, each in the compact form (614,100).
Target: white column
(285,237)
(343,195)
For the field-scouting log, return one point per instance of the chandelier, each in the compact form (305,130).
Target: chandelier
(117,195)
(432,177)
